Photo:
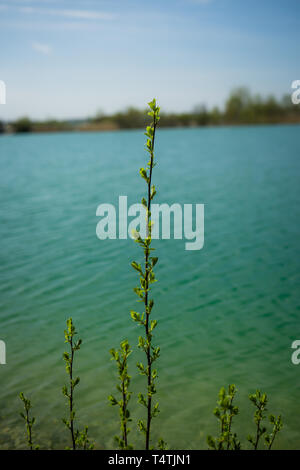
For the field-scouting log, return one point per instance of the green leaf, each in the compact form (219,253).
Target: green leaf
(144,175)
(139,292)
(112,400)
(152,104)
(142,400)
(137,267)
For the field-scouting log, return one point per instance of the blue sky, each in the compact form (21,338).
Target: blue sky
(71,58)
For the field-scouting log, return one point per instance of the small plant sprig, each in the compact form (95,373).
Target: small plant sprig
(121,358)
(79,439)
(83,441)
(260,401)
(277,426)
(29,422)
(225,412)
(68,357)
(147,277)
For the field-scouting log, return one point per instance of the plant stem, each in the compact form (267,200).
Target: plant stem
(148,221)
(68,357)
(124,414)
(29,431)
(230,423)
(29,422)
(71,397)
(121,358)
(147,277)
(258,430)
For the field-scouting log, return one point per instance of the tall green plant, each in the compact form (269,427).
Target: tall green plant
(121,358)
(29,422)
(147,277)
(78,439)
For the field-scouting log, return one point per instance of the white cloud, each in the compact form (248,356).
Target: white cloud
(77,14)
(42,48)
(86,14)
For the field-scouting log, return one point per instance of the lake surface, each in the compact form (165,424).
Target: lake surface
(227,313)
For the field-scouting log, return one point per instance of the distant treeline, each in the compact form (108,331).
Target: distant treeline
(240,108)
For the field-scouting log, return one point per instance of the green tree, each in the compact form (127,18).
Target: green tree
(23,124)
(236,105)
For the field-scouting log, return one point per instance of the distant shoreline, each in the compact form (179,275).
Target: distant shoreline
(100,130)
(241,108)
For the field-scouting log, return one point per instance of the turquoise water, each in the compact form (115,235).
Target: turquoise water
(227,313)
